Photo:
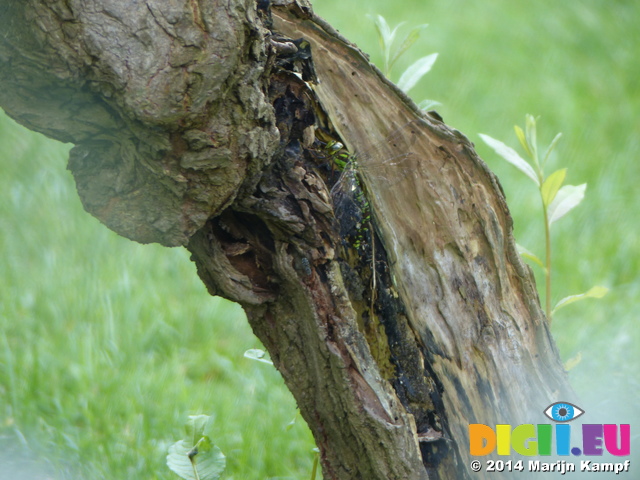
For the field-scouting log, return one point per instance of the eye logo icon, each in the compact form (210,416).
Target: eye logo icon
(563,412)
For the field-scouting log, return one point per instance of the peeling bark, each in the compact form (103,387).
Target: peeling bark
(397,319)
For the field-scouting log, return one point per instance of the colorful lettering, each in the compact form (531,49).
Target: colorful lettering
(530,440)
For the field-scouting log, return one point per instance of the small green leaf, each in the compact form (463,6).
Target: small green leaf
(594,292)
(201,465)
(291,424)
(552,145)
(408,41)
(531,256)
(530,128)
(314,469)
(384,32)
(551,186)
(204,444)
(195,428)
(511,156)
(573,362)
(567,198)
(416,71)
(522,139)
(257,355)
(393,33)
(195,457)
(427,104)
(386,37)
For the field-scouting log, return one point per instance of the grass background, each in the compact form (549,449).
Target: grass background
(106,346)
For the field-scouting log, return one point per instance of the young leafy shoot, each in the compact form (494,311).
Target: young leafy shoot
(407,43)
(552,145)
(593,292)
(551,185)
(418,69)
(522,139)
(568,198)
(531,138)
(386,36)
(314,469)
(531,256)
(557,199)
(511,156)
(196,457)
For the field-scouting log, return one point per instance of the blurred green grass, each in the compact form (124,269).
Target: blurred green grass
(106,346)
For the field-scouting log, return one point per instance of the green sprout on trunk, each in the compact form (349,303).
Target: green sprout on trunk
(557,200)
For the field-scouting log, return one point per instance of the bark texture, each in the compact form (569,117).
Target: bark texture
(396,319)
(162,100)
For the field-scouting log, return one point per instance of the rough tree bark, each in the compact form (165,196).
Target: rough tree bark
(201,124)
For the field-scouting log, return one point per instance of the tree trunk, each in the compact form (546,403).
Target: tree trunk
(389,294)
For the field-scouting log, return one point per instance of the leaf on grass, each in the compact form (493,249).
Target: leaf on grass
(573,362)
(416,71)
(511,156)
(567,198)
(195,457)
(551,186)
(531,256)
(594,292)
(257,355)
